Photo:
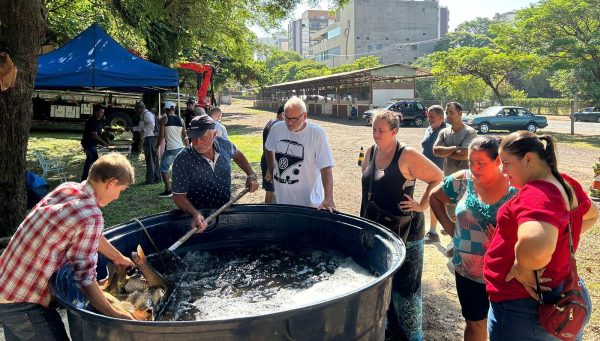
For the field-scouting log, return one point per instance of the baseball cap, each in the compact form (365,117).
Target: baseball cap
(169,105)
(140,104)
(199,125)
(190,101)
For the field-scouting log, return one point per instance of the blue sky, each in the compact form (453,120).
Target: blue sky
(460,10)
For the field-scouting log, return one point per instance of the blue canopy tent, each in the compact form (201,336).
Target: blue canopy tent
(94,60)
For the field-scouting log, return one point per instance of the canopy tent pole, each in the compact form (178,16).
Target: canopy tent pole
(178,102)
(159,104)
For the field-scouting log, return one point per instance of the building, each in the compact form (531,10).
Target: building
(299,31)
(397,31)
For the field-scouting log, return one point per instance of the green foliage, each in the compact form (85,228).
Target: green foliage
(303,69)
(567,34)
(361,63)
(474,33)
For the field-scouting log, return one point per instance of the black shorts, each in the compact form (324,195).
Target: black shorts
(474,301)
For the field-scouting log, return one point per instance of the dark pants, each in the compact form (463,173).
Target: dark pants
(91,155)
(29,321)
(151,156)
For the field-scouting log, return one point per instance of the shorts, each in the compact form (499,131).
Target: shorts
(167,159)
(474,301)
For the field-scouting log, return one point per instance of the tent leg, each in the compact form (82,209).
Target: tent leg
(159,104)
(178,102)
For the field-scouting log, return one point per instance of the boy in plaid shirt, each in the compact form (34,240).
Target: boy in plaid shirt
(65,227)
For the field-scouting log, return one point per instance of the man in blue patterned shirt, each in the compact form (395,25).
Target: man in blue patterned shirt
(202,171)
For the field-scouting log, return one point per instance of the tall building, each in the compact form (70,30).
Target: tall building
(444,21)
(396,31)
(299,31)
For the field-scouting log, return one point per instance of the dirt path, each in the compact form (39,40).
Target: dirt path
(442,319)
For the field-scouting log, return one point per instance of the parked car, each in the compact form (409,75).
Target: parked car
(590,114)
(505,118)
(412,112)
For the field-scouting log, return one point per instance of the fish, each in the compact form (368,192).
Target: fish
(153,278)
(139,294)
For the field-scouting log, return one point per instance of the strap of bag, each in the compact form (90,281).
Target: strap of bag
(371,175)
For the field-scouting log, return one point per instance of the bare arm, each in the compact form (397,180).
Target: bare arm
(590,218)
(97,299)
(420,168)
(365,163)
(184,135)
(536,242)
(242,162)
(161,132)
(443,151)
(110,252)
(270,156)
(98,139)
(439,201)
(460,154)
(182,202)
(327,179)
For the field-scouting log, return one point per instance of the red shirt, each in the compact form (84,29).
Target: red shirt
(536,201)
(64,227)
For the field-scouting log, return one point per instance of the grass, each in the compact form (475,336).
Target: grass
(138,200)
(586,141)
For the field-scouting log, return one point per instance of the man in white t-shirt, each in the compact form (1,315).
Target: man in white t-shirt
(299,160)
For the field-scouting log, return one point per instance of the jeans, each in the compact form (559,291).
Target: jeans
(29,321)
(167,159)
(91,155)
(151,156)
(517,320)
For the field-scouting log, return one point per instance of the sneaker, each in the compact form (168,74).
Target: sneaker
(431,237)
(166,194)
(450,252)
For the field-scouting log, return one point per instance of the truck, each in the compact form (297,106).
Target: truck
(73,106)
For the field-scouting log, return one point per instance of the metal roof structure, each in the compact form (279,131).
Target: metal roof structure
(392,73)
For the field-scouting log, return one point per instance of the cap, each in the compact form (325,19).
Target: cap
(199,125)
(190,101)
(140,104)
(169,105)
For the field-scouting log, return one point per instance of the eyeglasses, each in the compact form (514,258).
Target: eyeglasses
(293,119)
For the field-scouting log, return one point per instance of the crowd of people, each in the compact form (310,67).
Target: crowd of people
(509,211)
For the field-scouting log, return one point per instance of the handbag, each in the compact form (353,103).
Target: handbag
(398,224)
(564,318)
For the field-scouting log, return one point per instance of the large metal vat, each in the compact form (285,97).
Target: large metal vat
(358,315)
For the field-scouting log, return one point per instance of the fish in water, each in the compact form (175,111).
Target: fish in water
(139,294)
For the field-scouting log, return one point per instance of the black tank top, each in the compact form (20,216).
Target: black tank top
(389,185)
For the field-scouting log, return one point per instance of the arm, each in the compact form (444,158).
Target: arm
(242,162)
(98,139)
(184,135)
(590,218)
(270,164)
(420,168)
(439,201)
(460,154)
(327,179)
(182,202)
(97,299)
(365,163)
(443,151)
(110,252)
(536,242)
(161,132)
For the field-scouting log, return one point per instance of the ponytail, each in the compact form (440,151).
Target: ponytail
(552,161)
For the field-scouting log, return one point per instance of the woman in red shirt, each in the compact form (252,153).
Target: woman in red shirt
(531,235)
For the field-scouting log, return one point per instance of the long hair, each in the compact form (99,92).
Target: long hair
(521,142)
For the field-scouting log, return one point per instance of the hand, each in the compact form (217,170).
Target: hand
(525,277)
(199,223)
(410,205)
(269,176)
(328,205)
(122,315)
(122,262)
(252,183)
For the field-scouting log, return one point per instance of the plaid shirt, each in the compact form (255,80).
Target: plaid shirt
(64,227)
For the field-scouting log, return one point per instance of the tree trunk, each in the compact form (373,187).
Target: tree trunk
(22,29)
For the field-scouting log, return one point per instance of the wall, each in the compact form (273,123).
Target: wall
(382,96)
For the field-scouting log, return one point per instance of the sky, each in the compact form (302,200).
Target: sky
(460,10)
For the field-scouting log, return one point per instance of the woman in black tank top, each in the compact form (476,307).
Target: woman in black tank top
(388,183)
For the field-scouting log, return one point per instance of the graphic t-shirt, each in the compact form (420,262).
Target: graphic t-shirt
(300,156)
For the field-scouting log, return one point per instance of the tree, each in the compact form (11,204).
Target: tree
(474,33)
(492,66)
(361,63)
(303,69)
(567,34)
(22,29)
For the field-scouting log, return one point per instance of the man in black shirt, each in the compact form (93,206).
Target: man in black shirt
(91,138)
(188,114)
